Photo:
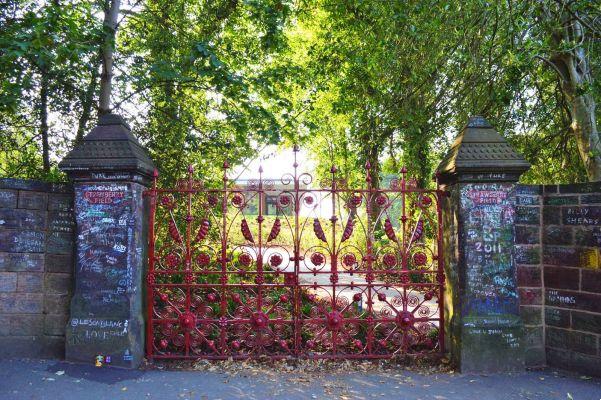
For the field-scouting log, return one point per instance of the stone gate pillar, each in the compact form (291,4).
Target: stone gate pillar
(110,171)
(484,327)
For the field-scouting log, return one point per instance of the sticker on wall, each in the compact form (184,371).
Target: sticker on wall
(99,360)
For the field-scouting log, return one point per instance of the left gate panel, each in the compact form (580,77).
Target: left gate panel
(184,306)
(219,281)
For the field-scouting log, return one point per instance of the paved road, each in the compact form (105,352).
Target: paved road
(322,279)
(22,379)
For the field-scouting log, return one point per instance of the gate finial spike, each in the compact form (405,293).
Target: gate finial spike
(295,149)
(190,169)
(367,165)
(226,165)
(260,169)
(155,173)
(333,169)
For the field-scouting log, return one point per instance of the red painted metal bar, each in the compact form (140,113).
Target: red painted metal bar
(150,273)
(369,245)
(223,259)
(297,310)
(440,277)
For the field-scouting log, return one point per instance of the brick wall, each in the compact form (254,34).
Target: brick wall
(36,263)
(572,276)
(527,254)
(558,242)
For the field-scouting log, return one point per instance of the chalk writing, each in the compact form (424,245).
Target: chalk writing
(94,335)
(488,216)
(104,216)
(582,215)
(487,196)
(492,176)
(555,297)
(506,337)
(103,197)
(110,177)
(61,221)
(108,268)
(22,241)
(102,323)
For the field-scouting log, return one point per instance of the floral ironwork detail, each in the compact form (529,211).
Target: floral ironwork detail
(295,286)
(275,230)
(318,230)
(389,230)
(348,229)
(245,229)
(205,224)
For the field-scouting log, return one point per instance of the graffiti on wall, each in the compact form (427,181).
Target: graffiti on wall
(103,213)
(488,218)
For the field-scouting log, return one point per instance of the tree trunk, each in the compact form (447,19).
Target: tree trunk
(373,157)
(574,72)
(584,126)
(86,104)
(44,88)
(576,83)
(417,154)
(371,153)
(111,14)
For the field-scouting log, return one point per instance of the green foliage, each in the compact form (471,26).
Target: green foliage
(391,82)
(354,81)
(202,70)
(41,39)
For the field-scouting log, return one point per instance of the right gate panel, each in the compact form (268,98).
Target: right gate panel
(370,270)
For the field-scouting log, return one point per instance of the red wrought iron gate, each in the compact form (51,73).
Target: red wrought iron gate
(281,269)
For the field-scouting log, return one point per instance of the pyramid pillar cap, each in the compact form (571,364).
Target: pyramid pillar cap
(481,154)
(109,153)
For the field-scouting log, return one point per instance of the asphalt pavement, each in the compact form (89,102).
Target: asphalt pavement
(38,379)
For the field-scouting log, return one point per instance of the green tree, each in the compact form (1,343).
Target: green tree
(570,34)
(44,59)
(356,81)
(202,69)
(406,76)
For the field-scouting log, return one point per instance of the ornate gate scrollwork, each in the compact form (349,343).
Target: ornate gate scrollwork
(283,269)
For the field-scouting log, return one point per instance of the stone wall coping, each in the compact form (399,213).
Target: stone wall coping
(36,185)
(564,188)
